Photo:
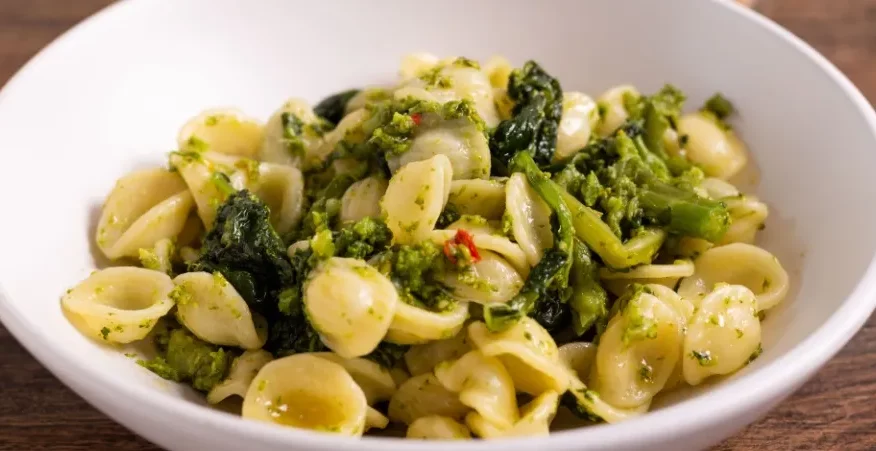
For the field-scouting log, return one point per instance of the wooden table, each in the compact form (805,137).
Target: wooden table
(834,411)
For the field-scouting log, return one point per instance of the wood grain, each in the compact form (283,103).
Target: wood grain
(836,410)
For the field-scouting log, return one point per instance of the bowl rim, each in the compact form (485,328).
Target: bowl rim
(736,396)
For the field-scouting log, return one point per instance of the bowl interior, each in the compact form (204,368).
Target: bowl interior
(111,95)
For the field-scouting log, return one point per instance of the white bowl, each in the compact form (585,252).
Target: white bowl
(111,94)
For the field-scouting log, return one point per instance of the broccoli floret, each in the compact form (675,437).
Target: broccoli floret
(719,106)
(448,216)
(415,271)
(589,300)
(244,247)
(536,117)
(333,107)
(638,189)
(182,357)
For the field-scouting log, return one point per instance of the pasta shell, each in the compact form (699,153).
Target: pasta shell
(350,304)
(485,198)
(413,325)
(423,396)
(614,112)
(638,352)
(308,392)
(717,151)
(362,199)
(240,377)
(276,147)
(209,306)
(482,384)
(723,335)
(530,216)
(144,207)
(224,130)
(119,304)
(739,264)
(436,427)
(535,419)
(529,353)
(579,117)
(415,197)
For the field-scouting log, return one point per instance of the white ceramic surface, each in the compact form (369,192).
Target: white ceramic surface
(110,95)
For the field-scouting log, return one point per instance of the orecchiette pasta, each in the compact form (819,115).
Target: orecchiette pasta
(415,197)
(741,264)
(529,353)
(459,140)
(209,306)
(578,357)
(668,275)
(120,304)
(638,351)
(421,359)
(492,279)
(612,110)
(436,427)
(723,335)
(483,384)
(144,207)
(240,377)
(374,380)
(717,150)
(530,216)
(486,237)
(579,117)
(413,325)
(362,199)
(423,396)
(456,82)
(535,419)
(485,198)
(351,305)
(281,188)
(307,391)
(291,134)
(414,251)
(227,131)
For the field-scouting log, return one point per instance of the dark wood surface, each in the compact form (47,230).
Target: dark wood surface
(835,411)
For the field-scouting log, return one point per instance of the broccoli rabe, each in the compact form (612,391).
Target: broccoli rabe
(244,247)
(499,317)
(291,331)
(415,271)
(719,106)
(390,126)
(535,118)
(333,107)
(635,189)
(589,300)
(182,357)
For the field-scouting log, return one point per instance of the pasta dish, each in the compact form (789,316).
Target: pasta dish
(459,255)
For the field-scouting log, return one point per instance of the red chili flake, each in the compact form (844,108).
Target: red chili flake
(417,118)
(448,251)
(463,237)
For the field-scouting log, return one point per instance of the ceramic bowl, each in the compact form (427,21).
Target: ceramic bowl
(110,95)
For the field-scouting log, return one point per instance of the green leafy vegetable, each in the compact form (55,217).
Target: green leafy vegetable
(244,247)
(333,107)
(589,300)
(182,357)
(536,116)
(719,106)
